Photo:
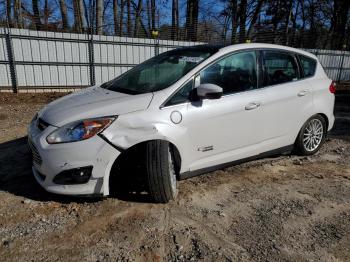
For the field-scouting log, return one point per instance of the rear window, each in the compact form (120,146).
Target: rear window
(308,65)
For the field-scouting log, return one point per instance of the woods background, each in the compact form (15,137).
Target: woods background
(322,24)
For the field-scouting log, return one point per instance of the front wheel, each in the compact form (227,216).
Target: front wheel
(311,136)
(160,171)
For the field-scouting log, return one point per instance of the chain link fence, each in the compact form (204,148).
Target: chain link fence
(42,60)
(54,60)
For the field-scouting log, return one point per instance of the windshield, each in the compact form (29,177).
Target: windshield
(158,72)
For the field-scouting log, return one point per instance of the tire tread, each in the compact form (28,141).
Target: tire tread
(158,174)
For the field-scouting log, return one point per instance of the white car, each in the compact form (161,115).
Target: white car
(186,112)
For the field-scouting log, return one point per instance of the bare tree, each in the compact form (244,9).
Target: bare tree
(234,20)
(8,12)
(64,14)
(288,18)
(79,16)
(46,14)
(17,12)
(225,26)
(99,17)
(121,17)
(153,14)
(242,20)
(255,16)
(115,16)
(36,14)
(149,22)
(192,19)
(294,17)
(128,19)
(82,14)
(138,18)
(175,19)
(339,22)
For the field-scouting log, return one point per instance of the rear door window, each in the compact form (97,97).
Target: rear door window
(279,68)
(308,64)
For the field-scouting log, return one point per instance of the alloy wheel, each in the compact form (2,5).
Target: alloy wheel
(313,135)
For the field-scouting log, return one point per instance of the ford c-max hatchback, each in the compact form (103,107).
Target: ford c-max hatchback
(189,111)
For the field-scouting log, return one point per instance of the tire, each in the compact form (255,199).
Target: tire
(160,171)
(311,136)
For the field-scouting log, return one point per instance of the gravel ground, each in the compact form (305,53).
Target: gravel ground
(276,209)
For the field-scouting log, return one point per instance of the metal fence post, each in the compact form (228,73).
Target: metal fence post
(92,61)
(341,67)
(156,47)
(11,60)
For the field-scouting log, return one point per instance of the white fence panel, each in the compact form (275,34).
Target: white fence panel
(54,60)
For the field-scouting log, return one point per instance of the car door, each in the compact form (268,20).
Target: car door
(286,99)
(226,129)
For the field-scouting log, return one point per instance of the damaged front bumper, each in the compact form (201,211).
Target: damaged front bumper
(50,160)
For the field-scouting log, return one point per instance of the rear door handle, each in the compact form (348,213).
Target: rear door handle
(303,93)
(252,106)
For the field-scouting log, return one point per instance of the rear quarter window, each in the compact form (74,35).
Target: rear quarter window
(308,64)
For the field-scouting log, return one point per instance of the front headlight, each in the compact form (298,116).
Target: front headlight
(79,130)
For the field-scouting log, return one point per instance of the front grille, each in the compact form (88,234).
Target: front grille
(42,125)
(35,154)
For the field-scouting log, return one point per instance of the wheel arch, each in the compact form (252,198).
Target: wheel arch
(138,148)
(325,117)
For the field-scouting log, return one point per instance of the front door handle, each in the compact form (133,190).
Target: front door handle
(303,93)
(252,106)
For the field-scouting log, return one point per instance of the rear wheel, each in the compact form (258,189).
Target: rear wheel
(160,171)
(311,136)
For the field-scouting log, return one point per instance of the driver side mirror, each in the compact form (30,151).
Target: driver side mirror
(209,91)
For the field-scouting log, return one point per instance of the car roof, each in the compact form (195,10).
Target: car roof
(265,46)
(230,48)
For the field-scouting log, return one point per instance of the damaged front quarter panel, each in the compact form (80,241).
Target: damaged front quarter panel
(134,128)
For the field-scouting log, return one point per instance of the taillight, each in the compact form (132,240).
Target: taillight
(332,87)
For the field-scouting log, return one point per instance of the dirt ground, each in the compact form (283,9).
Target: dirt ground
(287,208)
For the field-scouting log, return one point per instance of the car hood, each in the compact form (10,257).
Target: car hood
(90,103)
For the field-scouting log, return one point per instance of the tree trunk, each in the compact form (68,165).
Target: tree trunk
(192,19)
(303,25)
(8,12)
(46,14)
(36,14)
(175,19)
(82,15)
(242,20)
(138,18)
(254,18)
(77,18)
(153,14)
(64,15)
(340,18)
(225,28)
(99,17)
(234,20)
(290,8)
(294,21)
(18,13)
(115,16)
(128,21)
(149,22)
(122,3)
